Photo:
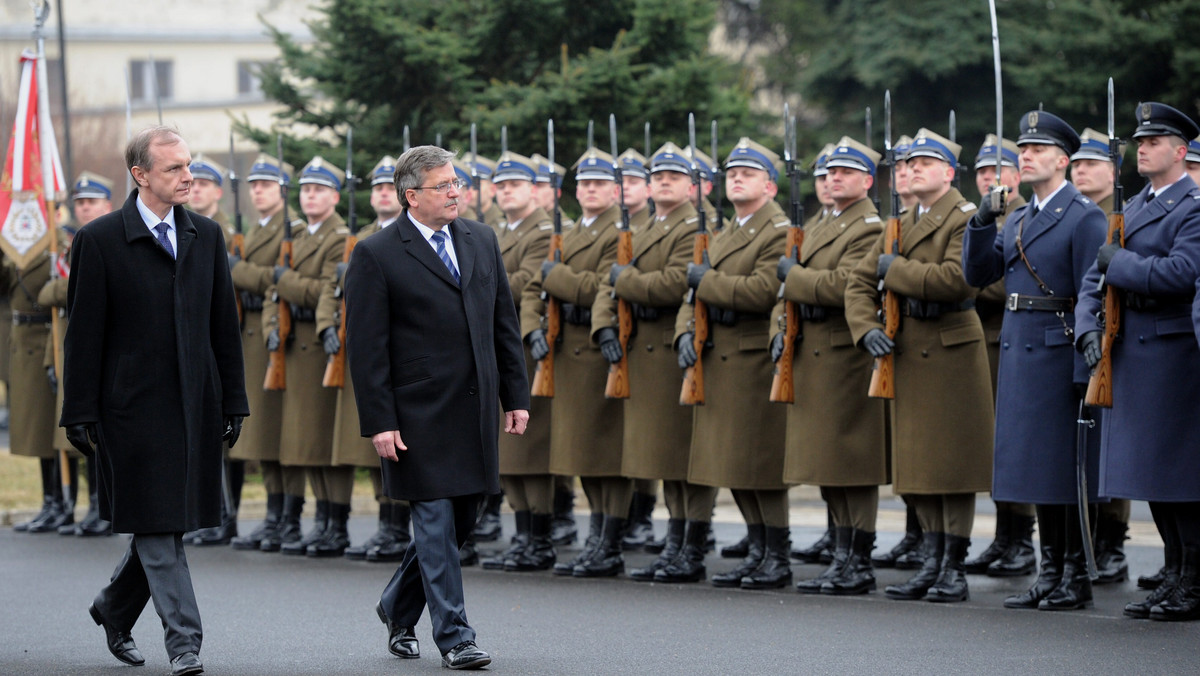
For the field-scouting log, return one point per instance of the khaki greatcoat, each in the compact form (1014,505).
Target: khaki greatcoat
(30,400)
(943,416)
(737,436)
(54,296)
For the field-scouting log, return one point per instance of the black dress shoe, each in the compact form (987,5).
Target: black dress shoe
(402,641)
(186,664)
(466,655)
(120,643)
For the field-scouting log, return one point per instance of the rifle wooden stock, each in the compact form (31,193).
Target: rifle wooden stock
(617,386)
(883,374)
(783,387)
(543,376)
(335,368)
(692,393)
(1099,390)
(236,247)
(276,378)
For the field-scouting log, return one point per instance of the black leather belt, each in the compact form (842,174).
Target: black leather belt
(1017,302)
(733,317)
(819,313)
(931,309)
(1143,303)
(576,315)
(303,314)
(650,314)
(251,302)
(21,318)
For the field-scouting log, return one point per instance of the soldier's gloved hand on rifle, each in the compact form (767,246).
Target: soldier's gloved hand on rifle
(341,271)
(279,270)
(695,272)
(777,347)
(52,378)
(985,216)
(786,263)
(538,347)
(273,340)
(1089,347)
(1105,255)
(233,429)
(686,347)
(547,266)
(885,262)
(877,343)
(234,259)
(610,347)
(615,272)
(329,340)
(82,437)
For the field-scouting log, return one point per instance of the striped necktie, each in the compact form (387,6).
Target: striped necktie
(439,241)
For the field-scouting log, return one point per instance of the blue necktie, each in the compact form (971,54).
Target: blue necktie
(439,241)
(161,229)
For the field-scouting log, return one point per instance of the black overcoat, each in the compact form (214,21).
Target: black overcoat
(431,358)
(154,359)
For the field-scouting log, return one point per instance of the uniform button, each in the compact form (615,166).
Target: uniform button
(924,353)
(249,332)
(724,357)
(1141,339)
(1028,347)
(472,391)
(576,350)
(303,346)
(1005,346)
(1010,269)
(816,353)
(649,348)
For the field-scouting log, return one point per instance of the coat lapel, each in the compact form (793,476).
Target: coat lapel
(1160,206)
(135,226)
(417,247)
(654,231)
(930,222)
(828,231)
(185,234)
(464,250)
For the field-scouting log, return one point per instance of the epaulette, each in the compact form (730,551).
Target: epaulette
(341,231)
(693,219)
(871,219)
(548,226)
(782,224)
(299,223)
(967,207)
(1082,199)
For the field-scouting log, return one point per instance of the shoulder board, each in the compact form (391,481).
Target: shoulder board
(871,219)
(299,223)
(1082,199)
(967,207)
(693,219)
(548,226)
(341,231)
(782,224)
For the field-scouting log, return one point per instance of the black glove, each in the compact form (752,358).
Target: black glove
(786,263)
(341,271)
(234,259)
(1080,390)
(877,343)
(547,266)
(52,378)
(777,347)
(81,437)
(329,339)
(538,347)
(985,216)
(273,340)
(695,272)
(686,347)
(1089,346)
(885,262)
(610,347)
(615,272)
(233,429)
(279,270)
(1105,255)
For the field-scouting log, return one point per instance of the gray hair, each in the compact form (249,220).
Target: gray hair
(137,153)
(414,164)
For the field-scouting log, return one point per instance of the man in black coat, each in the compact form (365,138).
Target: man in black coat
(434,341)
(153,380)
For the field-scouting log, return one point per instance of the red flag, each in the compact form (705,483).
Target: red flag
(24,229)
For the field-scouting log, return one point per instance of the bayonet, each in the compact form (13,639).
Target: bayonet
(591,136)
(406,145)
(504,137)
(716,181)
(475,176)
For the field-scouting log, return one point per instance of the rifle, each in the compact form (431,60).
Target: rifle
(874,192)
(543,377)
(475,176)
(783,387)
(716,181)
(650,201)
(239,238)
(1099,390)
(883,374)
(617,386)
(692,392)
(335,368)
(276,378)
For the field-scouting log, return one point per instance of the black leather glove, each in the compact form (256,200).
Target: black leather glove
(985,216)
(81,437)
(610,347)
(52,378)
(341,271)
(233,429)
(777,347)
(1089,346)
(786,263)
(547,266)
(877,343)
(695,272)
(686,347)
(279,270)
(273,340)
(885,262)
(234,259)
(330,342)
(1080,390)
(615,272)
(1105,255)
(538,347)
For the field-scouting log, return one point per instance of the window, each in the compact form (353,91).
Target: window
(249,83)
(150,80)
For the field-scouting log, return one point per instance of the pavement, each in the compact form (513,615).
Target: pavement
(269,614)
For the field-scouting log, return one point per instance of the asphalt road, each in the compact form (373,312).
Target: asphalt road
(269,614)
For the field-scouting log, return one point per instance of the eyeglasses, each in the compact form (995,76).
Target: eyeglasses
(443,188)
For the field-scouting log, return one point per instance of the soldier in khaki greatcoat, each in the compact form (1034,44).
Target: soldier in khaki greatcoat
(585,427)
(737,282)
(658,431)
(308,408)
(942,414)
(836,434)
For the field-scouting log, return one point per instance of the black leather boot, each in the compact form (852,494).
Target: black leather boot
(1152,581)
(1074,590)
(336,538)
(608,560)
(640,526)
(1111,565)
(487,529)
(590,545)
(1171,570)
(269,528)
(820,551)
(912,559)
(218,535)
(289,525)
(562,525)
(93,511)
(89,519)
(381,536)
(979,565)
(909,543)
(320,523)
(932,549)
(51,505)
(468,553)
(858,576)
(519,542)
(65,518)
(673,545)
(737,550)
(1051,520)
(951,585)
(539,554)
(755,551)
(842,535)
(1018,559)
(688,566)
(398,525)
(775,572)
(1184,603)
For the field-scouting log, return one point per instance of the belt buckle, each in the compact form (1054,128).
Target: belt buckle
(1011,303)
